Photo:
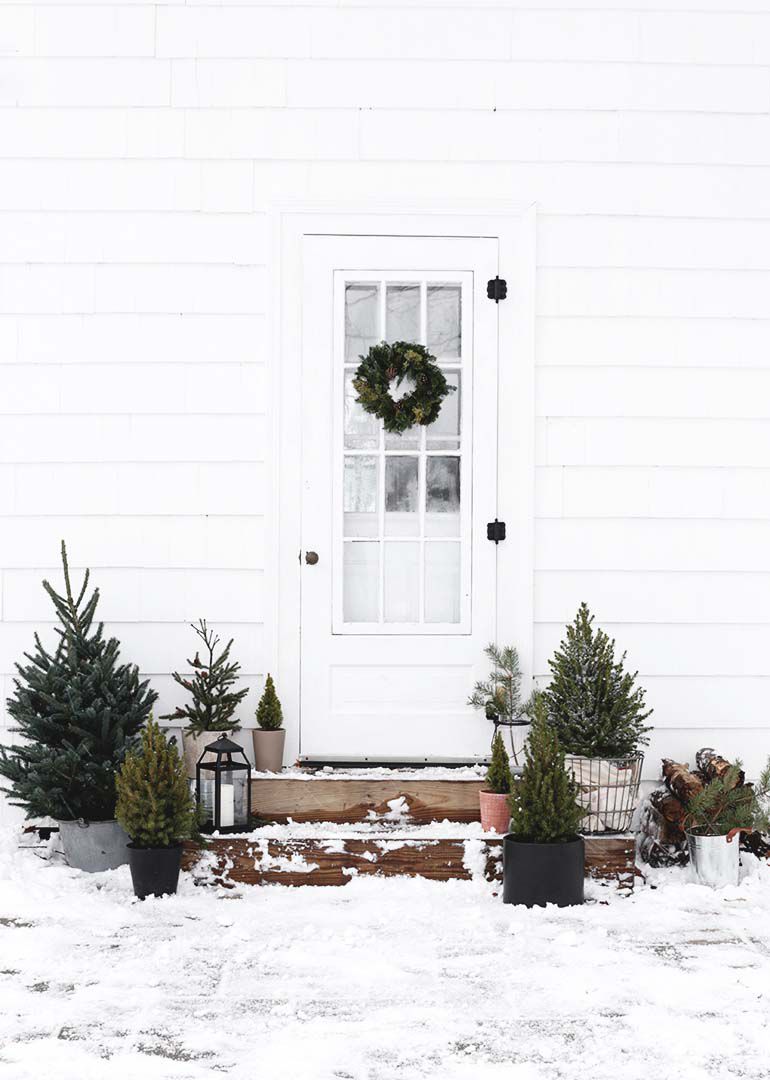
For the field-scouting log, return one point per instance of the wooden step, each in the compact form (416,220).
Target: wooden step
(356,799)
(294,859)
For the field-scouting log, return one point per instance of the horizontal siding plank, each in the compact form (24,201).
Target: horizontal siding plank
(652,544)
(236,542)
(133,339)
(638,597)
(653,441)
(111,30)
(675,650)
(138,595)
(109,81)
(662,392)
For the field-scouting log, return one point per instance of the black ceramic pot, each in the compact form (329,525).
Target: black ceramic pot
(154,871)
(540,874)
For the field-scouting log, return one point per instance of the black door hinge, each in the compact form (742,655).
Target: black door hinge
(496,530)
(497,289)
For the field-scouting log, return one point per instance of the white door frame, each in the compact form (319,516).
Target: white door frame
(514,227)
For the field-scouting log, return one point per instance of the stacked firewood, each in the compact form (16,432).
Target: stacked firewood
(662,840)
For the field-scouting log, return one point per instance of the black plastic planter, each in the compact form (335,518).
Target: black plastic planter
(540,874)
(154,871)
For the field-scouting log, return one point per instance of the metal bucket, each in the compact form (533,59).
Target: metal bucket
(94,845)
(714,860)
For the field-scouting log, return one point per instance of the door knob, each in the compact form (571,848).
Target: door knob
(311,558)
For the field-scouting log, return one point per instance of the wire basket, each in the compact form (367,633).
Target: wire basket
(609,788)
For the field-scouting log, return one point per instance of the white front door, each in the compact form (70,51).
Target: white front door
(402,598)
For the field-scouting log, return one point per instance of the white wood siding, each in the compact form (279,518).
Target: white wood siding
(142,144)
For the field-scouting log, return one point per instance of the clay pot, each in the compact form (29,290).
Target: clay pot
(194,745)
(495,812)
(268,749)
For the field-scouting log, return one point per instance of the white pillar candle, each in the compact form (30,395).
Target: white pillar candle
(226,806)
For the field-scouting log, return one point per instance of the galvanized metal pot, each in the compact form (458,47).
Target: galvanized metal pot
(714,859)
(94,845)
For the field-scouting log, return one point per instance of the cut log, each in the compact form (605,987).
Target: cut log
(680,781)
(712,765)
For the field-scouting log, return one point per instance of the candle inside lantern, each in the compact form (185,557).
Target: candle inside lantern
(226,805)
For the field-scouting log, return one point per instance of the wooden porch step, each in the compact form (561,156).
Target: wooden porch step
(356,799)
(264,857)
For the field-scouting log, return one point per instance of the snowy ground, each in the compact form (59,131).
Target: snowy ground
(379,980)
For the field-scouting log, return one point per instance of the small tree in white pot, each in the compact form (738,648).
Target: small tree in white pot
(270,736)
(210,713)
(597,713)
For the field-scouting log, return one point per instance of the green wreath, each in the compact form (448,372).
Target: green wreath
(383,365)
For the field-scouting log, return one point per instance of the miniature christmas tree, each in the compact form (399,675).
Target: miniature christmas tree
(500,695)
(79,712)
(499,771)
(544,806)
(213,700)
(269,712)
(155,805)
(592,703)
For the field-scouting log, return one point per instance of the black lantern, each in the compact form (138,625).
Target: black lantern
(223,788)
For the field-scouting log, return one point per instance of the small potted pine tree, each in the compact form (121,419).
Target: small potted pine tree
(210,714)
(716,815)
(78,710)
(156,808)
(270,736)
(543,855)
(493,800)
(598,714)
(499,696)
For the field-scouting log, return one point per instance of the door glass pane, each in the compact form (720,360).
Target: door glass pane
(405,440)
(402,313)
(443,319)
(402,582)
(442,496)
(360,497)
(442,583)
(361,581)
(362,319)
(401,496)
(444,433)
(361,428)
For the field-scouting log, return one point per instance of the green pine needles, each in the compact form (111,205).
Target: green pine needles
(499,771)
(213,700)
(544,806)
(269,712)
(79,711)
(155,805)
(500,694)
(725,803)
(592,702)
(385,364)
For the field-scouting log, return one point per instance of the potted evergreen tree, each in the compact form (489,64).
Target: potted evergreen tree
(79,711)
(210,714)
(270,736)
(716,815)
(156,809)
(543,855)
(499,696)
(598,715)
(493,801)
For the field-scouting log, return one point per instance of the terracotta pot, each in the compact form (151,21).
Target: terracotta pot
(268,749)
(194,746)
(495,812)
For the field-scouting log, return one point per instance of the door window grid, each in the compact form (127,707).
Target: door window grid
(420,446)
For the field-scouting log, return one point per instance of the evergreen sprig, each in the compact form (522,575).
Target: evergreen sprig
(722,805)
(213,701)
(269,712)
(155,805)
(499,771)
(544,800)
(500,694)
(79,711)
(592,702)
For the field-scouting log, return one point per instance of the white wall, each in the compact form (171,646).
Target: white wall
(141,145)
